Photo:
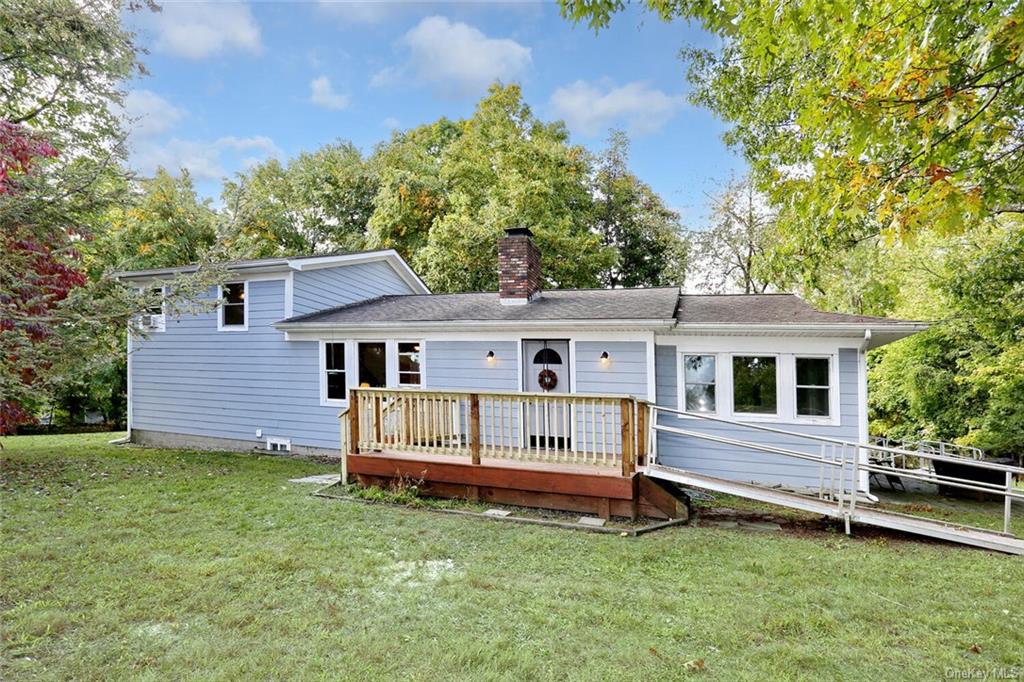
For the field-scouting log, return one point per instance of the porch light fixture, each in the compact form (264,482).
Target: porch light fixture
(605,359)
(490,357)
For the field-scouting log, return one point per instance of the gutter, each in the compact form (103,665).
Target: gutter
(449,325)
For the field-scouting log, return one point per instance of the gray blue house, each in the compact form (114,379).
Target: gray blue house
(519,375)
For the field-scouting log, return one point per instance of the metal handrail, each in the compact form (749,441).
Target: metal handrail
(1006,490)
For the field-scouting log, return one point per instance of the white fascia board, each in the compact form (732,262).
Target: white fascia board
(827,329)
(396,262)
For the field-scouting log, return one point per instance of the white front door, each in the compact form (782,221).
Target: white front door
(546,370)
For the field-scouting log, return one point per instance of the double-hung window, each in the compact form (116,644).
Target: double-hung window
(699,383)
(233,313)
(754,384)
(409,364)
(813,397)
(335,382)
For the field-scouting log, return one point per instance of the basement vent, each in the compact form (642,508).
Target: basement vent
(279,445)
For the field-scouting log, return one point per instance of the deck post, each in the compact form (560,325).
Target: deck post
(474,427)
(353,421)
(641,432)
(1008,503)
(626,408)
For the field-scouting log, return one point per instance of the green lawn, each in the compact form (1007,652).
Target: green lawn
(129,563)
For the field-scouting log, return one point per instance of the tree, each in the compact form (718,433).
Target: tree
(632,219)
(864,118)
(731,254)
(508,168)
(318,202)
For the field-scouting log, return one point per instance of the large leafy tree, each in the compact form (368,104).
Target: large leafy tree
(633,220)
(318,202)
(508,168)
(864,118)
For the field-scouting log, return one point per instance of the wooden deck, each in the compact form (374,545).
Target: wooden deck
(553,451)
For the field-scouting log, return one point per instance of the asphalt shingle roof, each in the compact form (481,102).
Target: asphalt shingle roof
(663,303)
(563,304)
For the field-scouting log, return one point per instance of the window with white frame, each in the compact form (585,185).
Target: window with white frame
(335,383)
(812,387)
(755,384)
(699,383)
(156,306)
(409,364)
(232,308)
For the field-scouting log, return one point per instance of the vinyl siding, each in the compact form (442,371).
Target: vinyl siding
(192,379)
(701,456)
(315,290)
(626,372)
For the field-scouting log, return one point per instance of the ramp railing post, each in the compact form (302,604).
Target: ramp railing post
(1008,502)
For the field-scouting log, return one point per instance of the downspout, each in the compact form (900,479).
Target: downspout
(864,484)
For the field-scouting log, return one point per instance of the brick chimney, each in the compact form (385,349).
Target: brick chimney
(518,267)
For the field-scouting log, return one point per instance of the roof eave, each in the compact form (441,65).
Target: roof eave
(891,329)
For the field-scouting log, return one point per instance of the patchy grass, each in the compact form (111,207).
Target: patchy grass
(151,564)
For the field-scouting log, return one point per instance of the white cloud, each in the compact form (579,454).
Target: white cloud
(198,30)
(589,109)
(323,95)
(391,123)
(456,59)
(148,114)
(204,160)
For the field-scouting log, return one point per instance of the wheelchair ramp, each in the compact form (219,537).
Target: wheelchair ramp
(966,535)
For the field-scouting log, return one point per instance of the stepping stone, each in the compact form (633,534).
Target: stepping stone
(591,521)
(502,513)
(321,479)
(760,525)
(724,524)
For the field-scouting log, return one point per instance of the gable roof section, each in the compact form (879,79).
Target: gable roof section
(288,263)
(599,307)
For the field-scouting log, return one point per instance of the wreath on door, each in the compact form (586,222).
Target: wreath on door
(547,379)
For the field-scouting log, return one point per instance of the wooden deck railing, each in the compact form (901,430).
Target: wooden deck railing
(599,430)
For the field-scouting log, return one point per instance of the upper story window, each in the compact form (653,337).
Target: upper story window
(234,313)
(812,387)
(754,384)
(409,364)
(699,383)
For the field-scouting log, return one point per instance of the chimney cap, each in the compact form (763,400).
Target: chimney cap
(518,231)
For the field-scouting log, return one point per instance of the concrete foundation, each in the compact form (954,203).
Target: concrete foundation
(165,439)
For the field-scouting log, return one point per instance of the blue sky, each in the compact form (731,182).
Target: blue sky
(231,84)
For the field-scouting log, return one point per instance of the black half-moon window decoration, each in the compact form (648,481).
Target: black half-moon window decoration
(547,356)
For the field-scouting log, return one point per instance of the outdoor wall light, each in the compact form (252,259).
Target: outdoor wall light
(605,359)
(490,356)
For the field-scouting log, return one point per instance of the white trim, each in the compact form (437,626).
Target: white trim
(393,358)
(785,383)
(412,333)
(391,256)
(246,302)
(552,326)
(833,390)
(681,380)
(652,376)
(863,431)
(274,440)
(321,370)
(289,295)
(128,379)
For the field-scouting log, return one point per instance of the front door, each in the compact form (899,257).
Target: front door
(546,370)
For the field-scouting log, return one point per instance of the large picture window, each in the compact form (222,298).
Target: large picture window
(754,379)
(812,387)
(334,368)
(699,383)
(409,364)
(232,308)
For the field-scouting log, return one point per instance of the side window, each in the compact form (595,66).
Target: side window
(409,364)
(812,387)
(336,386)
(232,309)
(754,384)
(699,383)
